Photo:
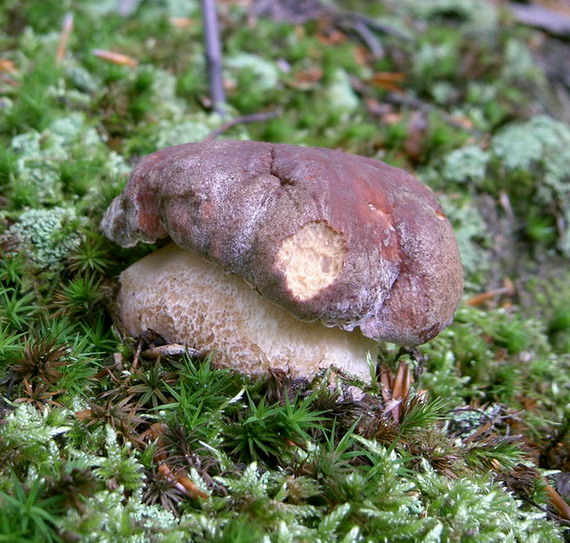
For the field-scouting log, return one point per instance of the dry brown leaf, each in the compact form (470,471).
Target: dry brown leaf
(116,58)
(508,289)
(181,22)
(7,66)
(388,80)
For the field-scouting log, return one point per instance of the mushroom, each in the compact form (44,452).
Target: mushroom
(282,256)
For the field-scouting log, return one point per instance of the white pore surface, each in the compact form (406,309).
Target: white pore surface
(193,302)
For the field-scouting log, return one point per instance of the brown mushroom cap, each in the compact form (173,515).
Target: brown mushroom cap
(338,238)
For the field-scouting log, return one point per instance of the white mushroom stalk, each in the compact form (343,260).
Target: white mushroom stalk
(191,301)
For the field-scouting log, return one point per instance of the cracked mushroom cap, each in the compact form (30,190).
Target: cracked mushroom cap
(332,237)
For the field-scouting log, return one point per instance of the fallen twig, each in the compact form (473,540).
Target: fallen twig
(7,66)
(172,350)
(181,22)
(399,99)
(302,11)
(66,30)
(182,482)
(213,53)
(508,289)
(366,28)
(253,118)
(553,22)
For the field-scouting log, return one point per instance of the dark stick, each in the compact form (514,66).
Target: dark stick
(253,118)
(213,51)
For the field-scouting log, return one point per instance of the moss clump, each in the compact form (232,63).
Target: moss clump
(473,237)
(340,94)
(48,235)
(191,128)
(484,356)
(467,11)
(53,165)
(529,162)
(466,164)
(265,73)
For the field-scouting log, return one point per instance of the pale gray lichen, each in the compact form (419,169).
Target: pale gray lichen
(466,164)
(485,19)
(266,72)
(153,517)
(30,41)
(116,165)
(165,98)
(541,141)
(519,63)
(170,8)
(81,78)
(154,8)
(105,7)
(64,133)
(541,146)
(473,236)
(40,156)
(441,91)
(192,129)
(46,235)
(465,422)
(340,94)
(481,93)
(430,60)
(179,8)
(34,170)
(538,149)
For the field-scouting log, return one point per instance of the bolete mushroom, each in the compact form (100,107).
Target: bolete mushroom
(290,257)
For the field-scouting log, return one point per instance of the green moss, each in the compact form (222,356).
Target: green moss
(34,105)
(463,506)
(520,65)
(29,435)
(485,355)
(435,61)
(550,301)
(528,161)
(98,420)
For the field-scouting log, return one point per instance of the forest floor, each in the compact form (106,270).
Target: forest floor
(466,438)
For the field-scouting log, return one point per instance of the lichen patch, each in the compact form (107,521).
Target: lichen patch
(311,259)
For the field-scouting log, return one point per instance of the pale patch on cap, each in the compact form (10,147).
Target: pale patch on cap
(311,259)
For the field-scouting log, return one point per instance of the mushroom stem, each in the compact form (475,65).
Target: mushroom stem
(190,301)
